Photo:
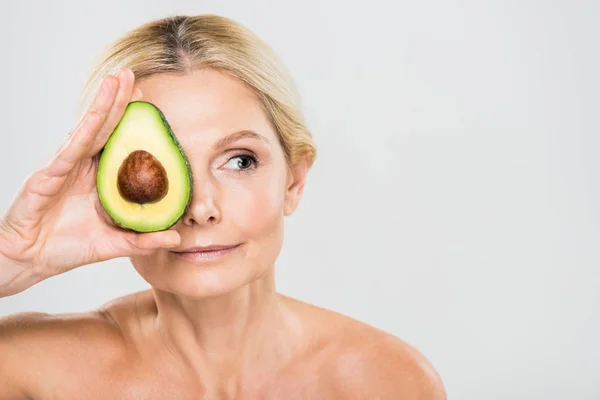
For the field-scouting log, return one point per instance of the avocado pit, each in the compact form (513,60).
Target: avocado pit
(142,178)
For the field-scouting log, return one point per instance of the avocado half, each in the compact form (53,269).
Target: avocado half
(144,180)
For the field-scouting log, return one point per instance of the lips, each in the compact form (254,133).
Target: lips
(203,249)
(206,253)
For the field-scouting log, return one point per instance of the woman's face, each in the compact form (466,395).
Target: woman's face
(242,186)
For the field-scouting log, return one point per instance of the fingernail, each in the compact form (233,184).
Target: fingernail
(122,72)
(137,94)
(172,242)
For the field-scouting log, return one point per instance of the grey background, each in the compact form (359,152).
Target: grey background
(455,198)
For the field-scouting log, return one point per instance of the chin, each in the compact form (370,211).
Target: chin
(198,276)
(212,281)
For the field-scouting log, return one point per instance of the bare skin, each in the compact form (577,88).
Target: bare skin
(210,328)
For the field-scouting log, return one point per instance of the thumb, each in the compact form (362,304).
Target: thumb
(146,243)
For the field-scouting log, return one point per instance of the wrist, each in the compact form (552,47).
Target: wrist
(15,276)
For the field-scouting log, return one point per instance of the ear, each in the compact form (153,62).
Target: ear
(295,186)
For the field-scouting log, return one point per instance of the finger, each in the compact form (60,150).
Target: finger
(132,243)
(83,135)
(126,80)
(75,147)
(156,240)
(137,95)
(105,97)
(32,198)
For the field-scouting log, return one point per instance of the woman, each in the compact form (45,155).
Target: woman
(212,326)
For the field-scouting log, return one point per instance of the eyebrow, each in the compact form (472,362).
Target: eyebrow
(234,137)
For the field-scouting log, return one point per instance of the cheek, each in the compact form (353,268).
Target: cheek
(256,208)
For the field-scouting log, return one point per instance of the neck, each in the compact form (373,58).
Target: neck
(232,337)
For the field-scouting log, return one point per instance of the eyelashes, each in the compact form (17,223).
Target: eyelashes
(242,162)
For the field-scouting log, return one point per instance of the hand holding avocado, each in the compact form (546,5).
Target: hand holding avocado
(56,222)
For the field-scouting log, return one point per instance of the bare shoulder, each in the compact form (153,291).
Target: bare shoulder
(45,335)
(33,330)
(37,349)
(382,366)
(369,363)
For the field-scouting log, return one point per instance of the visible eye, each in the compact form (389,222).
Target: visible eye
(241,162)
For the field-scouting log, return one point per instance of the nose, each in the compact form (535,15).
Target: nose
(203,209)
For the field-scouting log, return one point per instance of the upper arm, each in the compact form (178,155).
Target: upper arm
(416,380)
(16,332)
(40,353)
(407,371)
(387,368)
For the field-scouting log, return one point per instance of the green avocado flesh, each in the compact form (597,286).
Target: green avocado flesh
(144,179)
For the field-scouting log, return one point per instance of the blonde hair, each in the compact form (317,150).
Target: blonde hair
(180,44)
